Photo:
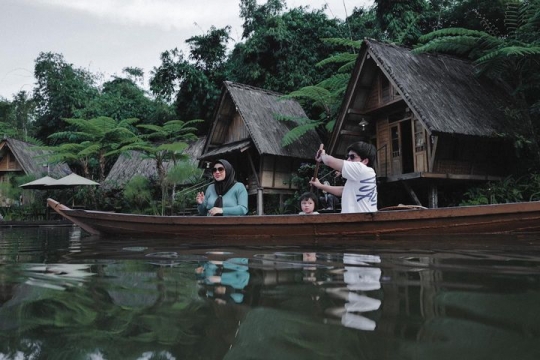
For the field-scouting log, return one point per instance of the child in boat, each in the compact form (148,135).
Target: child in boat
(308,203)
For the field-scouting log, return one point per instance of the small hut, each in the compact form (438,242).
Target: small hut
(246,132)
(135,163)
(21,158)
(18,158)
(433,121)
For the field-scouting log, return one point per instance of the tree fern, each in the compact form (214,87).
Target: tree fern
(355,44)
(327,95)
(450,32)
(336,83)
(460,45)
(512,60)
(296,133)
(338,59)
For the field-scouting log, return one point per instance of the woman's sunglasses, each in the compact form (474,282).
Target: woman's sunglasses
(218,169)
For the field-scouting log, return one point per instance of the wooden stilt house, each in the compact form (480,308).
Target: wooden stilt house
(246,132)
(435,124)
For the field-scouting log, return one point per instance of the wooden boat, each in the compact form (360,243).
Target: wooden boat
(485,219)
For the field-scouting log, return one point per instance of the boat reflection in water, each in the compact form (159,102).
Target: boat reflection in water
(387,299)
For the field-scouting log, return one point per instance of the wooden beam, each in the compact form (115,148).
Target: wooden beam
(260,204)
(356,111)
(351,133)
(411,192)
(433,197)
(432,151)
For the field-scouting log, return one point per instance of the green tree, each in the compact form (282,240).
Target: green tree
(510,59)
(194,83)
(16,117)
(281,49)
(97,138)
(137,194)
(122,98)
(23,113)
(61,90)
(162,144)
(254,15)
(325,97)
(184,172)
(6,115)
(400,20)
(472,14)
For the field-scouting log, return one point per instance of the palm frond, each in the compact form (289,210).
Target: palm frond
(294,119)
(347,68)
(342,42)
(338,59)
(313,93)
(83,125)
(450,32)
(102,124)
(502,60)
(155,128)
(512,18)
(460,45)
(330,126)
(509,51)
(296,133)
(336,83)
(90,150)
(128,122)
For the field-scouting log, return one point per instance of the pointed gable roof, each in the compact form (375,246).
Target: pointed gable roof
(442,91)
(32,160)
(258,109)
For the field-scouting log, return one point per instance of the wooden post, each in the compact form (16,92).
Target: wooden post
(260,207)
(433,197)
(260,204)
(411,192)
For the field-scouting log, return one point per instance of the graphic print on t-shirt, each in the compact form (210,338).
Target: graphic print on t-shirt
(368,189)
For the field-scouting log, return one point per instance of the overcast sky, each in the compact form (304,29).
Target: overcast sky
(105,36)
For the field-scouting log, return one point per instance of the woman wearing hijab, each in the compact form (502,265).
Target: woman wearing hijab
(225,196)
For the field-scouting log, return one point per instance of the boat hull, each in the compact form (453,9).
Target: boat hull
(485,219)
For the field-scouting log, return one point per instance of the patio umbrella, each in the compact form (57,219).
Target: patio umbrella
(73,180)
(45,182)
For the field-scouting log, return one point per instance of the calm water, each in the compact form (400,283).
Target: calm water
(64,296)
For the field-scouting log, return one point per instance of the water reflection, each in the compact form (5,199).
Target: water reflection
(224,280)
(63,296)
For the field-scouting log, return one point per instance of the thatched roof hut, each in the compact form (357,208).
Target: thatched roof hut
(248,115)
(433,121)
(246,131)
(21,158)
(135,163)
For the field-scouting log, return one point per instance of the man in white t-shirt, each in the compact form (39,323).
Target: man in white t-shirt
(360,191)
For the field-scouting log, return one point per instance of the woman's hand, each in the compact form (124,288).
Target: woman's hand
(215,211)
(199,198)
